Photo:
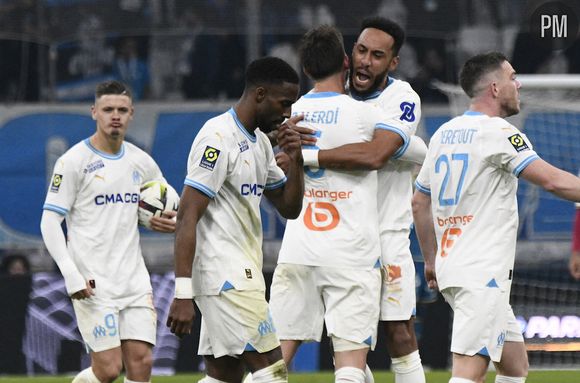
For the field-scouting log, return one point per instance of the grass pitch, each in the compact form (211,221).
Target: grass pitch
(325,377)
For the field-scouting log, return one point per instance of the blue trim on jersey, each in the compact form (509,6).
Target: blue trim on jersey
(369,340)
(492,283)
(405,138)
(56,209)
(414,312)
(249,347)
(322,95)
(227,286)
(520,168)
(310,147)
(473,113)
(108,156)
(422,188)
(377,264)
(483,352)
(251,136)
(276,185)
(201,187)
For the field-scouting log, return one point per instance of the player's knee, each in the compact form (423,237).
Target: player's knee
(140,365)
(349,375)
(274,373)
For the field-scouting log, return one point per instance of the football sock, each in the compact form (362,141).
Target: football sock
(134,381)
(460,380)
(509,379)
(248,378)
(369,378)
(408,368)
(274,373)
(349,375)
(86,376)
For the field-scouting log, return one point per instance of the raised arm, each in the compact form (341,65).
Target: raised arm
(192,206)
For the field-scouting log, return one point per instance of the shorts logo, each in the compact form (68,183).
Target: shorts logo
(56,181)
(99,331)
(501,339)
(266,327)
(393,272)
(209,158)
(408,109)
(248,273)
(321,216)
(518,142)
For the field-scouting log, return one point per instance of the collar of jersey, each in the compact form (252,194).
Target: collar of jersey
(108,156)
(370,96)
(473,113)
(321,94)
(241,126)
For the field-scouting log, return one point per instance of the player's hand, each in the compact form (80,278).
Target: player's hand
(574,265)
(85,293)
(289,138)
(283,161)
(165,223)
(307,137)
(430,277)
(181,316)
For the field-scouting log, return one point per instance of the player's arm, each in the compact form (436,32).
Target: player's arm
(288,199)
(192,206)
(50,227)
(423,219)
(550,178)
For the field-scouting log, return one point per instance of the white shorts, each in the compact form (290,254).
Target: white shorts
(303,298)
(483,320)
(235,321)
(103,325)
(398,299)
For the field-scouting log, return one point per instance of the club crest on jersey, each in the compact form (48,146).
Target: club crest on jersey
(408,109)
(209,158)
(55,184)
(243,146)
(518,142)
(136,178)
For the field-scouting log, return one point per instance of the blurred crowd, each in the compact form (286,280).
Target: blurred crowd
(56,50)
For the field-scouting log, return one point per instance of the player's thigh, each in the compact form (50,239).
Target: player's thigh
(480,317)
(296,303)
(398,299)
(138,321)
(234,322)
(257,361)
(351,298)
(514,358)
(98,324)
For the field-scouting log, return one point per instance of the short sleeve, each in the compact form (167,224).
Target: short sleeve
(276,177)
(207,164)
(423,181)
(380,119)
(505,147)
(404,107)
(63,186)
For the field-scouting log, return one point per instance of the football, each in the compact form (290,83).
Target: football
(155,198)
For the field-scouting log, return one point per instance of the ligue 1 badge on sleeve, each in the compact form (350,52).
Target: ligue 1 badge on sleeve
(55,184)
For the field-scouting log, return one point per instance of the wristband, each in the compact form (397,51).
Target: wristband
(183,288)
(310,157)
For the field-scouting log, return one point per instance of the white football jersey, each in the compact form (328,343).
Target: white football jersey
(232,167)
(98,193)
(338,224)
(471,172)
(395,180)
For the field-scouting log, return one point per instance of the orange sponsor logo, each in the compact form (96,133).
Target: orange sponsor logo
(448,239)
(321,216)
(393,272)
(455,220)
(333,195)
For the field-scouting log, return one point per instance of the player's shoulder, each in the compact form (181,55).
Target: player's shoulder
(497,126)
(77,152)
(399,88)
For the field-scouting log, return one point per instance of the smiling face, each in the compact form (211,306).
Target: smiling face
(372,60)
(275,104)
(112,113)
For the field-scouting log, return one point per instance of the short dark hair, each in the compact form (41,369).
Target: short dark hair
(478,66)
(270,70)
(322,52)
(389,27)
(112,87)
